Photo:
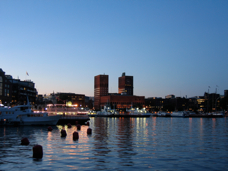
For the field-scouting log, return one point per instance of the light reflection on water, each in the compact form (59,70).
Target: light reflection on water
(121,144)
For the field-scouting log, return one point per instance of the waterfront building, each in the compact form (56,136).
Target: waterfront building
(23,89)
(5,88)
(212,101)
(126,85)
(224,100)
(121,102)
(100,89)
(89,102)
(15,91)
(201,103)
(154,104)
(77,100)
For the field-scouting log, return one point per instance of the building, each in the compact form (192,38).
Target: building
(23,89)
(154,103)
(122,102)
(71,99)
(5,88)
(212,101)
(126,85)
(14,91)
(225,93)
(100,89)
(201,103)
(89,102)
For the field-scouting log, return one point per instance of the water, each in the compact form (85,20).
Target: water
(121,144)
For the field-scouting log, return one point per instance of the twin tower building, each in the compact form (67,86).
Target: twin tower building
(121,100)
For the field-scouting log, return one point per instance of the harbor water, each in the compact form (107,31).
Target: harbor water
(154,143)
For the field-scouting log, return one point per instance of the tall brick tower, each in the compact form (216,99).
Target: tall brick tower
(100,89)
(126,84)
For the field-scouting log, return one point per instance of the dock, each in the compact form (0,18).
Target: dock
(120,116)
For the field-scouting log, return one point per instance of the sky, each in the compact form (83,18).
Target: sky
(169,46)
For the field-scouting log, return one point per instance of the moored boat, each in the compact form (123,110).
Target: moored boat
(138,112)
(107,111)
(68,114)
(179,114)
(24,115)
(163,114)
(208,115)
(92,113)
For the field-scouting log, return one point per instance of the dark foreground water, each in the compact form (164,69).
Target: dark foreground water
(121,144)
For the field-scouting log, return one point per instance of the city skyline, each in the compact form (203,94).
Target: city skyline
(169,47)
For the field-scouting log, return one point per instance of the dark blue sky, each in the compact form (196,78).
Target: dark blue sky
(170,47)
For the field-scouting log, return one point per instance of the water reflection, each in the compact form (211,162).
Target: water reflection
(125,140)
(100,148)
(121,144)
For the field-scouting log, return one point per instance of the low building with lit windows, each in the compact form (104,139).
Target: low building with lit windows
(71,98)
(121,102)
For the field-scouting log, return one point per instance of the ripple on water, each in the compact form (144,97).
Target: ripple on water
(121,144)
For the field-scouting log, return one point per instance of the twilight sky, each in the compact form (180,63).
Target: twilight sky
(169,46)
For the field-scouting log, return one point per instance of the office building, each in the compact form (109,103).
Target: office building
(126,85)
(100,89)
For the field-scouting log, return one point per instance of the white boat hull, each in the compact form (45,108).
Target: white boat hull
(24,115)
(179,114)
(50,120)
